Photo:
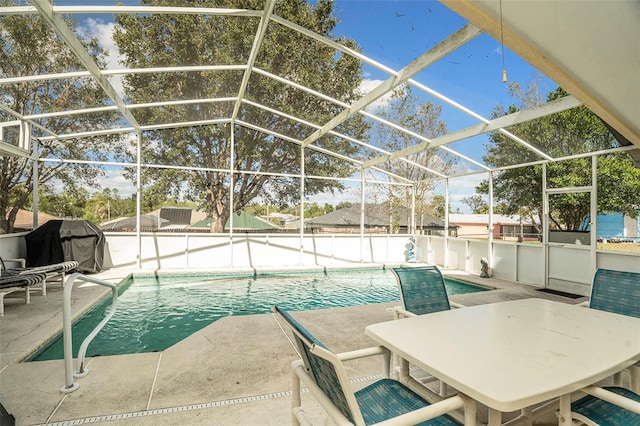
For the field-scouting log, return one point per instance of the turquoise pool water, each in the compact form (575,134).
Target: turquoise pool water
(155,312)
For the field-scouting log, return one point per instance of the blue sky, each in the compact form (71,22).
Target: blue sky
(396,32)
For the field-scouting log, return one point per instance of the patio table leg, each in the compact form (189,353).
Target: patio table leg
(634,372)
(495,418)
(564,416)
(404,370)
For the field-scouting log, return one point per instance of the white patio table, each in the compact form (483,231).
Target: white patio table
(512,355)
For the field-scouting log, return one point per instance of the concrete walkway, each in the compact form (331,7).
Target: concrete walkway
(233,372)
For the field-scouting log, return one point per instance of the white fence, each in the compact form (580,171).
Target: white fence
(205,251)
(511,261)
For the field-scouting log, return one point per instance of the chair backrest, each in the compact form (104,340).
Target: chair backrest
(616,291)
(323,366)
(422,289)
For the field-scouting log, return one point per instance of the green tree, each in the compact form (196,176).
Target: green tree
(407,109)
(314,210)
(166,40)
(436,207)
(343,205)
(28,47)
(562,134)
(476,203)
(107,205)
(64,204)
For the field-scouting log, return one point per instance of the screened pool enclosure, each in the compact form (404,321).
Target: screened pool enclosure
(225,104)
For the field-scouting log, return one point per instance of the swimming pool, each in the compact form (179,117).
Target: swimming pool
(155,312)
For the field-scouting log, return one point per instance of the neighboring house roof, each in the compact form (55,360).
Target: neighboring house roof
(241,220)
(178,217)
(461,218)
(175,215)
(24,219)
(375,215)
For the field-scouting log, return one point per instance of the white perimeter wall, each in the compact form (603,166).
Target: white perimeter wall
(205,251)
(519,262)
(13,246)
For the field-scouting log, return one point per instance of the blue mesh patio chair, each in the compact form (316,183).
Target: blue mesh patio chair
(54,272)
(611,406)
(14,283)
(618,292)
(422,291)
(324,375)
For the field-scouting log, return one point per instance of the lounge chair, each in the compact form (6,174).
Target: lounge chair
(618,292)
(325,377)
(422,291)
(54,272)
(22,282)
(612,406)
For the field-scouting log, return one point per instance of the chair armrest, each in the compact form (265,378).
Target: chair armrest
(457,305)
(400,312)
(429,412)
(367,352)
(584,304)
(362,353)
(613,398)
(22,262)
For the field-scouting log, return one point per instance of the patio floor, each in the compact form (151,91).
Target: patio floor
(233,372)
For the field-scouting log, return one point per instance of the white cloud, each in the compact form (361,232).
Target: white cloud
(462,187)
(368,85)
(114,179)
(103,31)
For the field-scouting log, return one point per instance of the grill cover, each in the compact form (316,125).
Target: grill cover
(62,240)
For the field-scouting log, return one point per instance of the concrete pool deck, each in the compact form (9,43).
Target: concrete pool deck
(233,372)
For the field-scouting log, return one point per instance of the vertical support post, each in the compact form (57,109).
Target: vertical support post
(138,198)
(362,213)
(594,214)
(302,172)
(412,222)
(490,225)
(446,223)
(545,224)
(231,190)
(25,133)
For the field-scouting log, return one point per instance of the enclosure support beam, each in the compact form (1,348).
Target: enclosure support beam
(139,197)
(231,188)
(36,177)
(257,42)
(445,261)
(362,213)
(62,29)
(451,43)
(594,214)
(302,172)
(559,105)
(412,222)
(490,238)
(545,225)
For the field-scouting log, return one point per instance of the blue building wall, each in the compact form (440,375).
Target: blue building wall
(611,225)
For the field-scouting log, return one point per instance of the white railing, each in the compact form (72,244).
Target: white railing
(67,336)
